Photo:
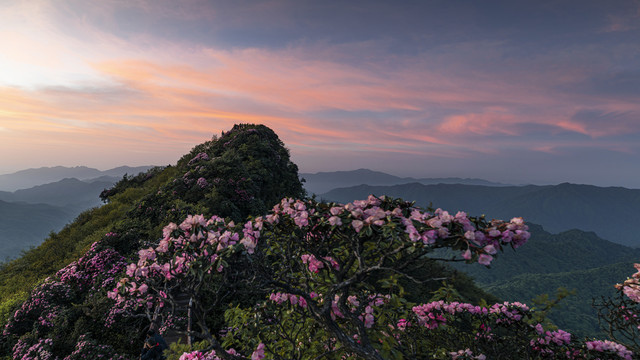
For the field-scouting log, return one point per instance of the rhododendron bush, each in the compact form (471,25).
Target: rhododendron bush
(620,316)
(312,279)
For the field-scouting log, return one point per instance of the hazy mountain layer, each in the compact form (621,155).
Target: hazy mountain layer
(67,192)
(322,182)
(25,225)
(28,178)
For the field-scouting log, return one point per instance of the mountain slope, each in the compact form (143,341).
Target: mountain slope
(575,313)
(69,192)
(246,171)
(573,260)
(321,182)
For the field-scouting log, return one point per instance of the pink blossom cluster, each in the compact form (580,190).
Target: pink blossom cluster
(202,183)
(200,157)
(434,314)
(197,244)
(42,307)
(631,287)
(610,346)
(41,350)
(315,265)
(548,343)
(419,226)
(97,268)
(509,312)
(280,298)
(559,337)
(89,349)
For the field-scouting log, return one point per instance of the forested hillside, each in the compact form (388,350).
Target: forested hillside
(243,172)
(574,260)
(265,271)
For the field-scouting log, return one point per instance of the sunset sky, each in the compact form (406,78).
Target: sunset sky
(538,91)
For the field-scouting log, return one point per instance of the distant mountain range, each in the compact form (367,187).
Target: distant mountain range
(322,182)
(611,212)
(28,178)
(28,215)
(69,192)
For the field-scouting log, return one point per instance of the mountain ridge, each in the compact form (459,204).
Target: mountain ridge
(27,178)
(317,183)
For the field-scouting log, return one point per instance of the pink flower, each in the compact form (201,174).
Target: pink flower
(258,354)
(167,230)
(485,259)
(357,225)
(145,254)
(302,302)
(333,262)
(293,299)
(490,249)
(163,246)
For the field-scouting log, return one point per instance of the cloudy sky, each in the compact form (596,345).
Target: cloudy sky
(513,91)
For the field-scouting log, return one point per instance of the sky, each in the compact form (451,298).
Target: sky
(542,92)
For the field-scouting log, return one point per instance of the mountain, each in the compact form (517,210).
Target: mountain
(610,212)
(572,259)
(69,192)
(547,253)
(25,225)
(322,182)
(50,207)
(28,178)
(245,171)
(575,313)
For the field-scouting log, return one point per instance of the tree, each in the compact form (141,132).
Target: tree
(317,280)
(620,316)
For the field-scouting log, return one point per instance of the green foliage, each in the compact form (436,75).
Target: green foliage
(447,293)
(244,172)
(544,304)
